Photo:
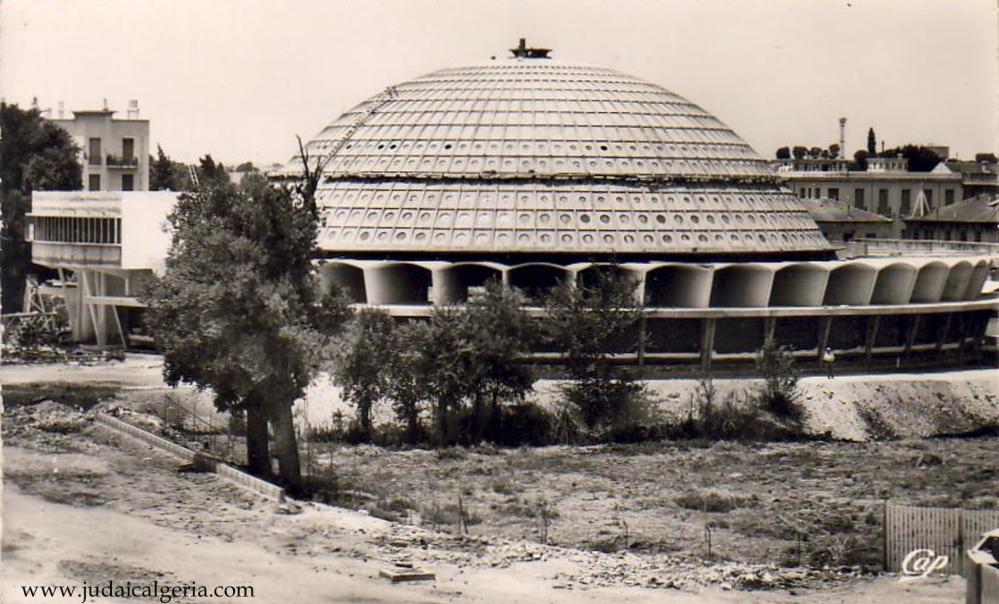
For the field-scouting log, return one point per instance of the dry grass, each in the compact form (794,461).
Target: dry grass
(757,500)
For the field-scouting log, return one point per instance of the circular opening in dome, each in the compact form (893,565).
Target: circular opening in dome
(447,146)
(381,146)
(604,218)
(603,147)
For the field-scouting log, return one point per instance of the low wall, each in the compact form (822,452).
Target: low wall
(258,486)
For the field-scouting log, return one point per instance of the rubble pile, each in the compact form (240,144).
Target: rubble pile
(46,416)
(591,569)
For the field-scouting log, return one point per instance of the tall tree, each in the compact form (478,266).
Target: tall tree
(502,335)
(360,364)
(799,152)
(590,323)
(784,153)
(872,143)
(165,174)
(239,309)
(35,155)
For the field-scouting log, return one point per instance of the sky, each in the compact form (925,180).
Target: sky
(240,78)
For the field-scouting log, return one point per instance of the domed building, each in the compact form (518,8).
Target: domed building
(529,170)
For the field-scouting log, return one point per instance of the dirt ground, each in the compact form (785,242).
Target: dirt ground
(748,503)
(623,522)
(90,506)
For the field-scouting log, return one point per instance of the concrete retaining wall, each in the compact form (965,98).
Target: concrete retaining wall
(258,486)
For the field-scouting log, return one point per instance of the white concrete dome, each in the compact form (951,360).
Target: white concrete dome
(532,155)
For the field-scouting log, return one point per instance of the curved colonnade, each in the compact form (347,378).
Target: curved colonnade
(665,285)
(693,313)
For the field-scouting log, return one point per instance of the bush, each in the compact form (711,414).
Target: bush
(780,392)
(712,501)
(525,424)
(738,417)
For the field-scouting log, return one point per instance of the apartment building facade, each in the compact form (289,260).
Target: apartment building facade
(114,151)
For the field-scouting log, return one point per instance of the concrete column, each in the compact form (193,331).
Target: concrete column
(942,336)
(910,337)
(707,343)
(825,326)
(871,335)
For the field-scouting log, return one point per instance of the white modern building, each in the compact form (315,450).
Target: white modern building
(103,245)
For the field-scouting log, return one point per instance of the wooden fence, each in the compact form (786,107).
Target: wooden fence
(946,531)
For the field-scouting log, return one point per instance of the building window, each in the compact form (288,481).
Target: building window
(906,207)
(127,182)
(128,148)
(94,157)
(978,236)
(834,194)
(929,197)
(858,199)
(883,202)
(94,182)
(948,197)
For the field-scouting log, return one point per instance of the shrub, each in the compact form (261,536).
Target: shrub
(525,424)
(780,389)
(738,417)
(712,501)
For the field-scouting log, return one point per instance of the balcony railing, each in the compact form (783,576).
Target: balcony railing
(115,161)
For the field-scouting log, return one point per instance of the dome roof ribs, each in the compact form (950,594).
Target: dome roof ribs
(535,157)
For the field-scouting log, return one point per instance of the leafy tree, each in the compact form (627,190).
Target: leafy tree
(589,323)
(360,365)
(985,158)
(35,155)
(403,380)
(166,174)
(212,173)
(784,153)
(860,160)
(445,368)
(814,152)
(872,143)
(799,152)
(834,150)
(921,159)
(246,166)
(239,309)
(501,334)
(462,358)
